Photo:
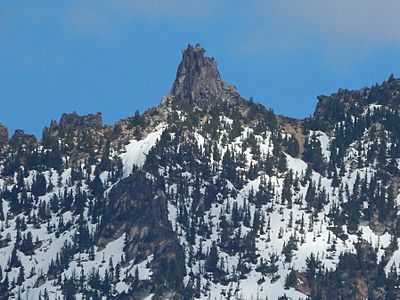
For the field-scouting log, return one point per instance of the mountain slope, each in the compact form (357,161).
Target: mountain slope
(207,195)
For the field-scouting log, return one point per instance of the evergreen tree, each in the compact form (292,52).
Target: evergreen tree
(212,259)
(39,185)
(97,186)
(21,276)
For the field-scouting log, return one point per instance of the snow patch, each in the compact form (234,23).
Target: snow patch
(136,151)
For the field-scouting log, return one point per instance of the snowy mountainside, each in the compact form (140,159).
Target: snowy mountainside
(206,196)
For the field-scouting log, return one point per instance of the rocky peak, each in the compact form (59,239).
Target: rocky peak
(20,138)
(73,120)
(75,124)
(3,134)
(198,81)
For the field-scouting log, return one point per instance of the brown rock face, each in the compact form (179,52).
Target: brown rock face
(198,81)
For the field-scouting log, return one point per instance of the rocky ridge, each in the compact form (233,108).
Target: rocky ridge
(206,195)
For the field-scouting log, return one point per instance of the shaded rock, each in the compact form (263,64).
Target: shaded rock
(135,209)
(334,108)
(22,140)
(74,121)
(83,138)
(3,135)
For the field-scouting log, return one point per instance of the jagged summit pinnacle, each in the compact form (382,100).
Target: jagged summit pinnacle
(198,81)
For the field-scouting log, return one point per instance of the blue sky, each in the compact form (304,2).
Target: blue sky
(119,56)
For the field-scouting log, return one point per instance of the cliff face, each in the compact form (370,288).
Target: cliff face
(140,212)
(198,81)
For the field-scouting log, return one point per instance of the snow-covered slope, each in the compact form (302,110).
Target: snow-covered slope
(218,199)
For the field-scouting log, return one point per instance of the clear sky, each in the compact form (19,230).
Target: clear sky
(119,56)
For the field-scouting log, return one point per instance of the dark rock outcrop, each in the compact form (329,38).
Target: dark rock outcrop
(3,137)
(198,81)
(73,121)
(22,140)
(82,137)
(136,209)
(16,150)
(335,108)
